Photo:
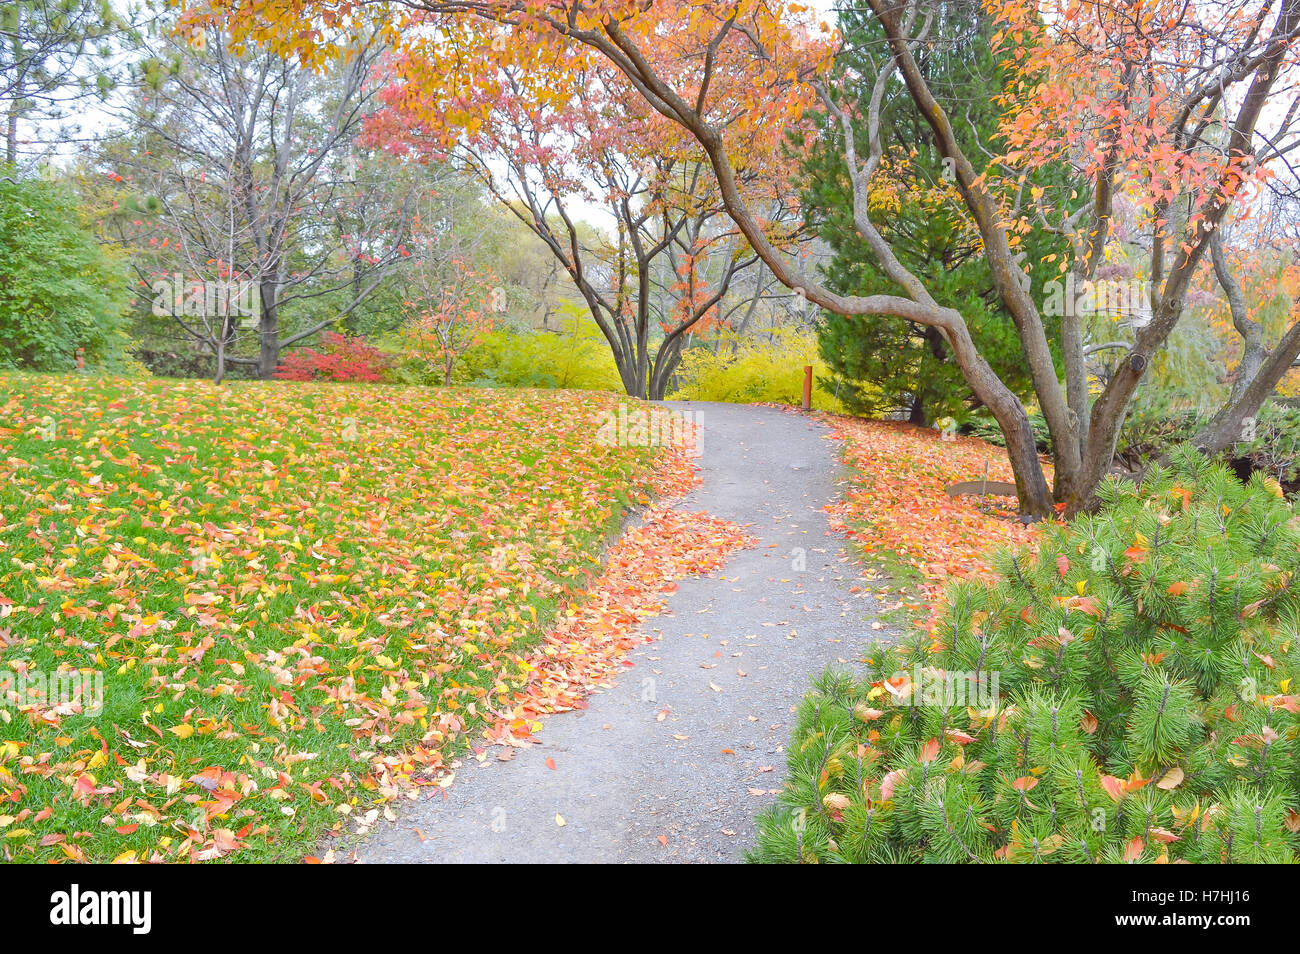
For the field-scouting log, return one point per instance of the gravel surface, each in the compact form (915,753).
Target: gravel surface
(690,743)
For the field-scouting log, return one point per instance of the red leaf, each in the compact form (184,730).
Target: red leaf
(1114,787)
(1134,850)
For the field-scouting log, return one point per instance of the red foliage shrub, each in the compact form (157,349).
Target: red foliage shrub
(339,358)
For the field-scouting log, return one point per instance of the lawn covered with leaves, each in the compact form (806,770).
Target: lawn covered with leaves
(905,525)
(299,596)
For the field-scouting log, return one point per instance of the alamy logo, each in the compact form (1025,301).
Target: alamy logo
(644,427)
(76,907)
(929,686)
(1124,300)
(65,693)
(204,298)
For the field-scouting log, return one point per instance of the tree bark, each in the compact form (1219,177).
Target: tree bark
(917,413)
(1225,428)
(1253,351)
(269,334)
(11,135)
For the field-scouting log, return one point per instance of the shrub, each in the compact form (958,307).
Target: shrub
(578,360)
(1143,707)
(1158,420)
(1271,442)
(449,316)
(757,369)
(60,290)
(340,358)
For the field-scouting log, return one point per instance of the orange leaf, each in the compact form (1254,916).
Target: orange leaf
(890,782)
(1134,850)
(1114,787)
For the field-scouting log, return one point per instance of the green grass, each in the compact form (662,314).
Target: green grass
(299,597)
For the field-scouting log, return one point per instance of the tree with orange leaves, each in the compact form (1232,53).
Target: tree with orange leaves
(1254,263)
(1160,104)
(446,318)
(1162,100)
(658,279)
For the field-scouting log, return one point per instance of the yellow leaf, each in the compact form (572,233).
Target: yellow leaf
(1171,780)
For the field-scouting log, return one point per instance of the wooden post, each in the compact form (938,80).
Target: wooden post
(807,387)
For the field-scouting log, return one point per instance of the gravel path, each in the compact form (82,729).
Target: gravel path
(690,743)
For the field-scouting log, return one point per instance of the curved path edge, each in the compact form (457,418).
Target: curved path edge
(672,763)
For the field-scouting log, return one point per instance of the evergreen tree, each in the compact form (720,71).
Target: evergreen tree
(56,58)
(1127,694)
(883,366)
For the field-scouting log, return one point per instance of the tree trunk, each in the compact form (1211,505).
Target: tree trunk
(221,351)
(11,135)
(666,361)
(916,415)
(1253,351)
(1022,451)
(1076,377)
(627,371)
(1226,427)
(269,344)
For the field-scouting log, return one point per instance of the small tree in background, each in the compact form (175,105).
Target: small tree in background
(668,257)
(270,180)
(448,321)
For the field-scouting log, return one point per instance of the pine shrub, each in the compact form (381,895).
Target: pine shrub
(1124,695)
